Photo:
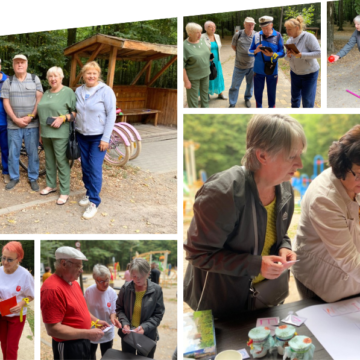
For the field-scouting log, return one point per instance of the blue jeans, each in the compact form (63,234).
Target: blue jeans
(271,83)
(91,163)
(31,140)
(303,87)
(237,78)
(4,149)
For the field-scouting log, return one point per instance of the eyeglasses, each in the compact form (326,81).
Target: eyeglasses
(4,258)
(357,176)
(102,281)
(80,267)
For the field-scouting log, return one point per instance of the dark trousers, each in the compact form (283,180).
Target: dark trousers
(103,347)
(4,149)
(71,349)
(304,292)
(91,164)
(259,84)
(303,87)
(129,349)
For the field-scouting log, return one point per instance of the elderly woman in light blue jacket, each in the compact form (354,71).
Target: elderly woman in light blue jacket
(96,114)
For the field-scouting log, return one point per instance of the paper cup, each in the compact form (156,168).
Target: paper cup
(229,355)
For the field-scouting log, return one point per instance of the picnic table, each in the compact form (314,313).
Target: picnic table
(133,112)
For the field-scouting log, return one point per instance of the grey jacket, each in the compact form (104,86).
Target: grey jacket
(220,242)
(152,308)
(355,39)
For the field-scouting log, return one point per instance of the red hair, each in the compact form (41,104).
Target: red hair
(16,247)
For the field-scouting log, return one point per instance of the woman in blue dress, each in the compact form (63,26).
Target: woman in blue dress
(213,41)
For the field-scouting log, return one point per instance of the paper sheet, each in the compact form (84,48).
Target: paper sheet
(333,332)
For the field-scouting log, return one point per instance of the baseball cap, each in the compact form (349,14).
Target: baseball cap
(250,20)
(265,20)
(67,252)
(20,56)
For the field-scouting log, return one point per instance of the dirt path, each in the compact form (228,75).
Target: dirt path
(167,329)
(343,75)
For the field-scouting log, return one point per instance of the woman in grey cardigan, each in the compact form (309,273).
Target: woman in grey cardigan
(304,66)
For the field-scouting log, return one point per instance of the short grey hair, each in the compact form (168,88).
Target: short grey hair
(58,263)
(208,23)
(271,133)
(140,265)
(192,27)
(56,70)
(357,19)
(101,271)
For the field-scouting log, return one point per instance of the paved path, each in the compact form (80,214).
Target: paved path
(283,96)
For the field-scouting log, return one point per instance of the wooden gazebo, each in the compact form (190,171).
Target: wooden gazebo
(134,100)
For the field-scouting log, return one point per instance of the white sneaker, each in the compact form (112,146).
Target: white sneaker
(84,201)
(90,211)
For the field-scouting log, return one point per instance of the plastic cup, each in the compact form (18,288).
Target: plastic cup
(229,355)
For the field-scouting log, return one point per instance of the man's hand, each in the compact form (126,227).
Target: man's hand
(139,330)
(257,50)
(21,122)
(287,254)
(103,324)
(95,334)
(269,267)
(126,329)
(267,52)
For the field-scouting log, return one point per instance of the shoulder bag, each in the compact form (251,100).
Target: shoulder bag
(141,343)
(72,151)
(269,67)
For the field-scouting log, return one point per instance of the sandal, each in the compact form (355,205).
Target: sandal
(62,201)
(47,192)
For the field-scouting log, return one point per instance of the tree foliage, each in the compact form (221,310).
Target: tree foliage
(306,13)
(28,247)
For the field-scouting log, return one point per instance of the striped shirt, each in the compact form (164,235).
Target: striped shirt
(22,97)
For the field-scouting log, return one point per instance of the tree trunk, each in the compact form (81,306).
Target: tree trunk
(330,26)
(71,40)
(281,19)
(341,15)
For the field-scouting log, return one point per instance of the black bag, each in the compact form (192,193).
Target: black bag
(213,71)
(72,151)
(141,343)
(266,293)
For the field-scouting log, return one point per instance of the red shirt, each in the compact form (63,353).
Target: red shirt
(64,303)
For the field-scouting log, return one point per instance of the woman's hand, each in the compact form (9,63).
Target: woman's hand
(57,122)
(18,307)
(298,56)
(126,329)
(115,321)
(188,84)
(103,145)
(289,53)
(139,330)
(270,269)
(336,57)
(40,140)
(287,254)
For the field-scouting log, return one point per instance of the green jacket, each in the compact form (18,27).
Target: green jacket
(220,242)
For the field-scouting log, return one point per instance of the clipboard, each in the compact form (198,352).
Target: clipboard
(292,47)
(6,305)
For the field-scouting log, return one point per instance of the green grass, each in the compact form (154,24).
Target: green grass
(30,319)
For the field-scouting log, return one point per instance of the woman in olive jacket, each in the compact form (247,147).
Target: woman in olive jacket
(220,245)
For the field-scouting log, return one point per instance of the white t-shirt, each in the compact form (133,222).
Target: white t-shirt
(102,304)
(89,91)
(20,284)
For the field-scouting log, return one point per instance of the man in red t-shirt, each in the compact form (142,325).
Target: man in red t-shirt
(64,310)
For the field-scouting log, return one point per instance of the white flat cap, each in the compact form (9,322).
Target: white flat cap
(20,56)
(250,20)
(265,20)
(67,252)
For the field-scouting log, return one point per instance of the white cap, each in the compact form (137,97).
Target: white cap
(265,20)
(250,20)
(67,252)
(20,56)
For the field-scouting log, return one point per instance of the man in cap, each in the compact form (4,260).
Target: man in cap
(21,94)
(64,311)
(3,133)
(244,63)
(267,47)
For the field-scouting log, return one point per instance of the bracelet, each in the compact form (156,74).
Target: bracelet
(31,115)
(64,117)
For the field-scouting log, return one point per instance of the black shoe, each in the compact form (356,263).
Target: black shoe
(34,185)
(248,103)
(11,184)
(231,106)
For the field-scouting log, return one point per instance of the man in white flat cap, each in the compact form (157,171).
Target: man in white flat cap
(21,94)
(244,63)
(267,47)
(64,310)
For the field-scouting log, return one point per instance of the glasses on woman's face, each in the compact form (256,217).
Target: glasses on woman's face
(357,176)
(9,260)
(101,282)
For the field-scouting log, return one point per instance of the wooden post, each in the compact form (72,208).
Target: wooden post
(137,77)
(112,63)
(148,73)
(72,72)
(162,70)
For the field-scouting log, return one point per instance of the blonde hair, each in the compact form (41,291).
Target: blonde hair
(91,64)
(299,21)
(271,133)
(192,27)
(56,70)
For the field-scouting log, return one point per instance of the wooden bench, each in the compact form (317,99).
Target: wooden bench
(132,112)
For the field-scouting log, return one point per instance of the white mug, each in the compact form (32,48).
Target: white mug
(229,355)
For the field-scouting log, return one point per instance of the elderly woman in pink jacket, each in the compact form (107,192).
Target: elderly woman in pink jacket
(328,238)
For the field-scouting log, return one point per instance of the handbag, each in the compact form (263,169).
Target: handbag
(213,70)
(72,150)
(266,293)
(269,67)
(141,343)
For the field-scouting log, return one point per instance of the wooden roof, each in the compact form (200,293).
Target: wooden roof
(126,49)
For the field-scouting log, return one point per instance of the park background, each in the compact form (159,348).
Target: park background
(225,26)
(342,74)
(102,252)
(26,346)
(219,142)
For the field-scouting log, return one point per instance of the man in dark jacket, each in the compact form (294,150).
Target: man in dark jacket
(155,273)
